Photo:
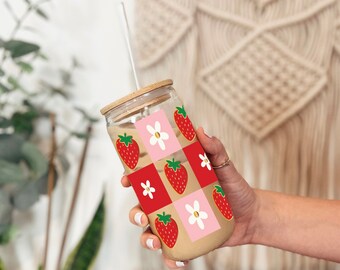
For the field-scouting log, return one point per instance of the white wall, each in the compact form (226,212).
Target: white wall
(91,31)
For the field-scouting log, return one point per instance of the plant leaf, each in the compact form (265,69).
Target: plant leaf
(79,135)
(25,196)
(42,56)
(35,159)
(10,147)
(65,164)
(2,73)
(4,88)
(85,252)
(2,265)
(27,67)
(42,183)
(10,172)
(54,90)
(4,122)
(12,81)
(7,233)
(23,121)
(19,48)
(41,13)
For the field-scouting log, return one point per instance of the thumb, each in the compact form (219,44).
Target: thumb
(217,154)
(213,147)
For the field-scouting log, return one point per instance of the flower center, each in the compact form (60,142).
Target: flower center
(147,189)
(157,135)
(206,160)
(196,214)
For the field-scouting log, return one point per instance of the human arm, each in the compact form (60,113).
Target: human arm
(296,224)
(307,226)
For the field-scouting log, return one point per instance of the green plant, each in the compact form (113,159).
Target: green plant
(24,169)
(84,254)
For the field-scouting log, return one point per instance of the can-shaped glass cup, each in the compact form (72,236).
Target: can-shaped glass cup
(169,171)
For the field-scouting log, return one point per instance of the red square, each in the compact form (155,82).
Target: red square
(200,164)
(149,189)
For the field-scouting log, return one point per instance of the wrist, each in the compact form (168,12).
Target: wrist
(255,224)
(267,222)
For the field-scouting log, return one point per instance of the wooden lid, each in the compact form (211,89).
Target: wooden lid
(135,94)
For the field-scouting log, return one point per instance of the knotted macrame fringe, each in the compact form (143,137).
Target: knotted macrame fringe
(299,153)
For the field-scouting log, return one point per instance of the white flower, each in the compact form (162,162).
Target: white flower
(148,189)
(196,214)
(205,161)
(157,135)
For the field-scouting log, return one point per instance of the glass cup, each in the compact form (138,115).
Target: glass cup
(169,171)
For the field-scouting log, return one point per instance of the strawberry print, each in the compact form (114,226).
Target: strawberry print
(184,124)
(128,150)
(177,175)
(222,203)
(167,229)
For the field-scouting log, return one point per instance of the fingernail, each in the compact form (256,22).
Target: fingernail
(207,134)
(138,218)
(180,264)
(149,243)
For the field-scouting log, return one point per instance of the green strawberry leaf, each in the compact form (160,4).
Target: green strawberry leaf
(174,164)
(182,111)
(164,218)
(220,190)
(125,139)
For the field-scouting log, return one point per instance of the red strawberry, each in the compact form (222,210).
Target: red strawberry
(128,150)
(167,229)
(184,124)
(176,174)
(222,203)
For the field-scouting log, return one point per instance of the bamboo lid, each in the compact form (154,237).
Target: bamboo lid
(135,94)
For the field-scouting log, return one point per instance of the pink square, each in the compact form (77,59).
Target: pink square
(157,135)
(196,215)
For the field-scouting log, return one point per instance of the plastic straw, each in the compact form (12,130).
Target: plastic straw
(128,43)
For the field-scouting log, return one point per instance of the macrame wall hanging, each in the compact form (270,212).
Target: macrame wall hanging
(263,76)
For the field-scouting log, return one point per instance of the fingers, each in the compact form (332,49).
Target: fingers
(228,176)
(125,181)
(174,264)
(213,147)
(138,217)
(149,240)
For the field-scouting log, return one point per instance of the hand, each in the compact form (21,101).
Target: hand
(241,197)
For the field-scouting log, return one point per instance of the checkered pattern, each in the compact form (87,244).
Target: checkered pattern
(155,183)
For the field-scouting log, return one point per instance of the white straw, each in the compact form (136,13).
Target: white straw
(128,43)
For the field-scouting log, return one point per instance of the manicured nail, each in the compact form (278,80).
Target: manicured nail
(206,134)
(149,243)
(138,218)
(180,264)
